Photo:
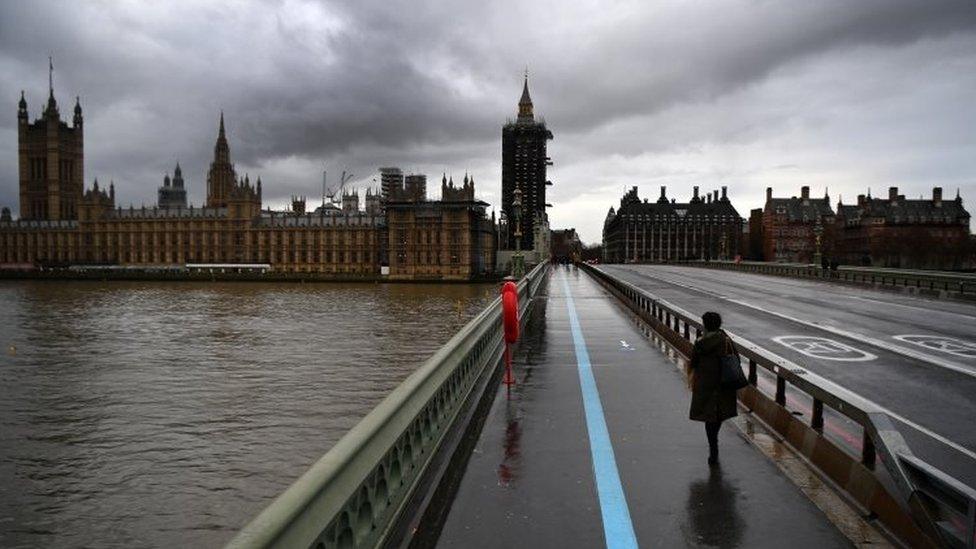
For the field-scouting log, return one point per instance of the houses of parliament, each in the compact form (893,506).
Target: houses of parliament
(401,235)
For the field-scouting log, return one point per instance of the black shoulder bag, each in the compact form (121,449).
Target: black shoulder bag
(732,376)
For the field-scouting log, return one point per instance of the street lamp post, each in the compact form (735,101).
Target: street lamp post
(518,262)
(818,234)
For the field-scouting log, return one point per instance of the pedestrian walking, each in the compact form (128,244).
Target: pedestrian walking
(712,390)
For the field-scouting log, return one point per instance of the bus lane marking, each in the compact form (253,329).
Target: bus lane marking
(823,348)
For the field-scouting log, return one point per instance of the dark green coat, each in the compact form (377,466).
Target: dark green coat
(709,401)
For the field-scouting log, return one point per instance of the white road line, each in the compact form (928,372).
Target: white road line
(915,307)
(911,353)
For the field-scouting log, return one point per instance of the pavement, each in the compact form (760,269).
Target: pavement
(593,447)
(913,356)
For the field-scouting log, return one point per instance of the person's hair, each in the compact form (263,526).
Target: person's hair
(711,321)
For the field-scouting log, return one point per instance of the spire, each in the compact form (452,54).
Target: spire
(52,105)
(444,179)
(22,108)
(525,103)
(177,172)
(221,134)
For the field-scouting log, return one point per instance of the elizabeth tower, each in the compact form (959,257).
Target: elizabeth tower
(524,164)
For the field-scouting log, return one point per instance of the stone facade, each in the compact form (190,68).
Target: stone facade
(665,230)
(51,162)
(524,163)
(62,226)
(452,239)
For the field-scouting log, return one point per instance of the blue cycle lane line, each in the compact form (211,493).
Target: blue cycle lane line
(592,447)
(617,526)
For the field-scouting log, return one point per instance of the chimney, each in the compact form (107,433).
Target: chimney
(769,194)
(696,192)
(709,201)
(663,189)
(805,192)
(724,195)
(937,196)
(892,194)
(860,200)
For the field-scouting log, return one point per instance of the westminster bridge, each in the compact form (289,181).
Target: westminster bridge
(856,427)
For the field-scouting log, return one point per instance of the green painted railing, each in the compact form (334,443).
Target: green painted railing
(358,492)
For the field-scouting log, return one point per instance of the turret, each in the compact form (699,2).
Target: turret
(78,119)
(22,109)
(178,177)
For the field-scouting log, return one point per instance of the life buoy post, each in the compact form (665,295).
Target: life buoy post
(510,321)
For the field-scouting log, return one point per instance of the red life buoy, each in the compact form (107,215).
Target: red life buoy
(510,312)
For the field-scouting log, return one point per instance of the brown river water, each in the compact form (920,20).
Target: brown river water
(168,414)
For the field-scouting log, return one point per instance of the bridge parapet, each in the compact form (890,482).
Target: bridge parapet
(919,503)
(361,492)
(935,283)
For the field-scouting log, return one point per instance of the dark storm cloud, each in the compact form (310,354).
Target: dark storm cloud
(427,85)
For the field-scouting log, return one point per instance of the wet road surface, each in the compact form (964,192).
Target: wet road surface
(916,357)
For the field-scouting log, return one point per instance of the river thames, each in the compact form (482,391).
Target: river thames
(169,414)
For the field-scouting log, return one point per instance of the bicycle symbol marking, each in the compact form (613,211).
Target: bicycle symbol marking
(943,344)
(823,348)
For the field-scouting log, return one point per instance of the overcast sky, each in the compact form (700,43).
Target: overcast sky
(748,94)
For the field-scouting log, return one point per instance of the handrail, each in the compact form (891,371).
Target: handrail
(356,493)
(963,284)
(943,505)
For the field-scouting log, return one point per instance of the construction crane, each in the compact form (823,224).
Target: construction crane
(331,192)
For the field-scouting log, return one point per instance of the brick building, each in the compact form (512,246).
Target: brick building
(908,233)
(790,227)
(665,230)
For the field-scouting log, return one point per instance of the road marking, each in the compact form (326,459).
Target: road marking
(823,348)
(874,342)
(915,307)
(921,429)
(942,344)
(617,527)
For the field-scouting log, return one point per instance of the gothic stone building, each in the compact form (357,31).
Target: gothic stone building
(524,163)
(61,224)
(665,230)
(452,239)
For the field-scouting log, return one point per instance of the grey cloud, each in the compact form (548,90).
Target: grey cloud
(427,84)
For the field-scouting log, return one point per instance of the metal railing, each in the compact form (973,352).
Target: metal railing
(356,494)
(942,506)
(960,284)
